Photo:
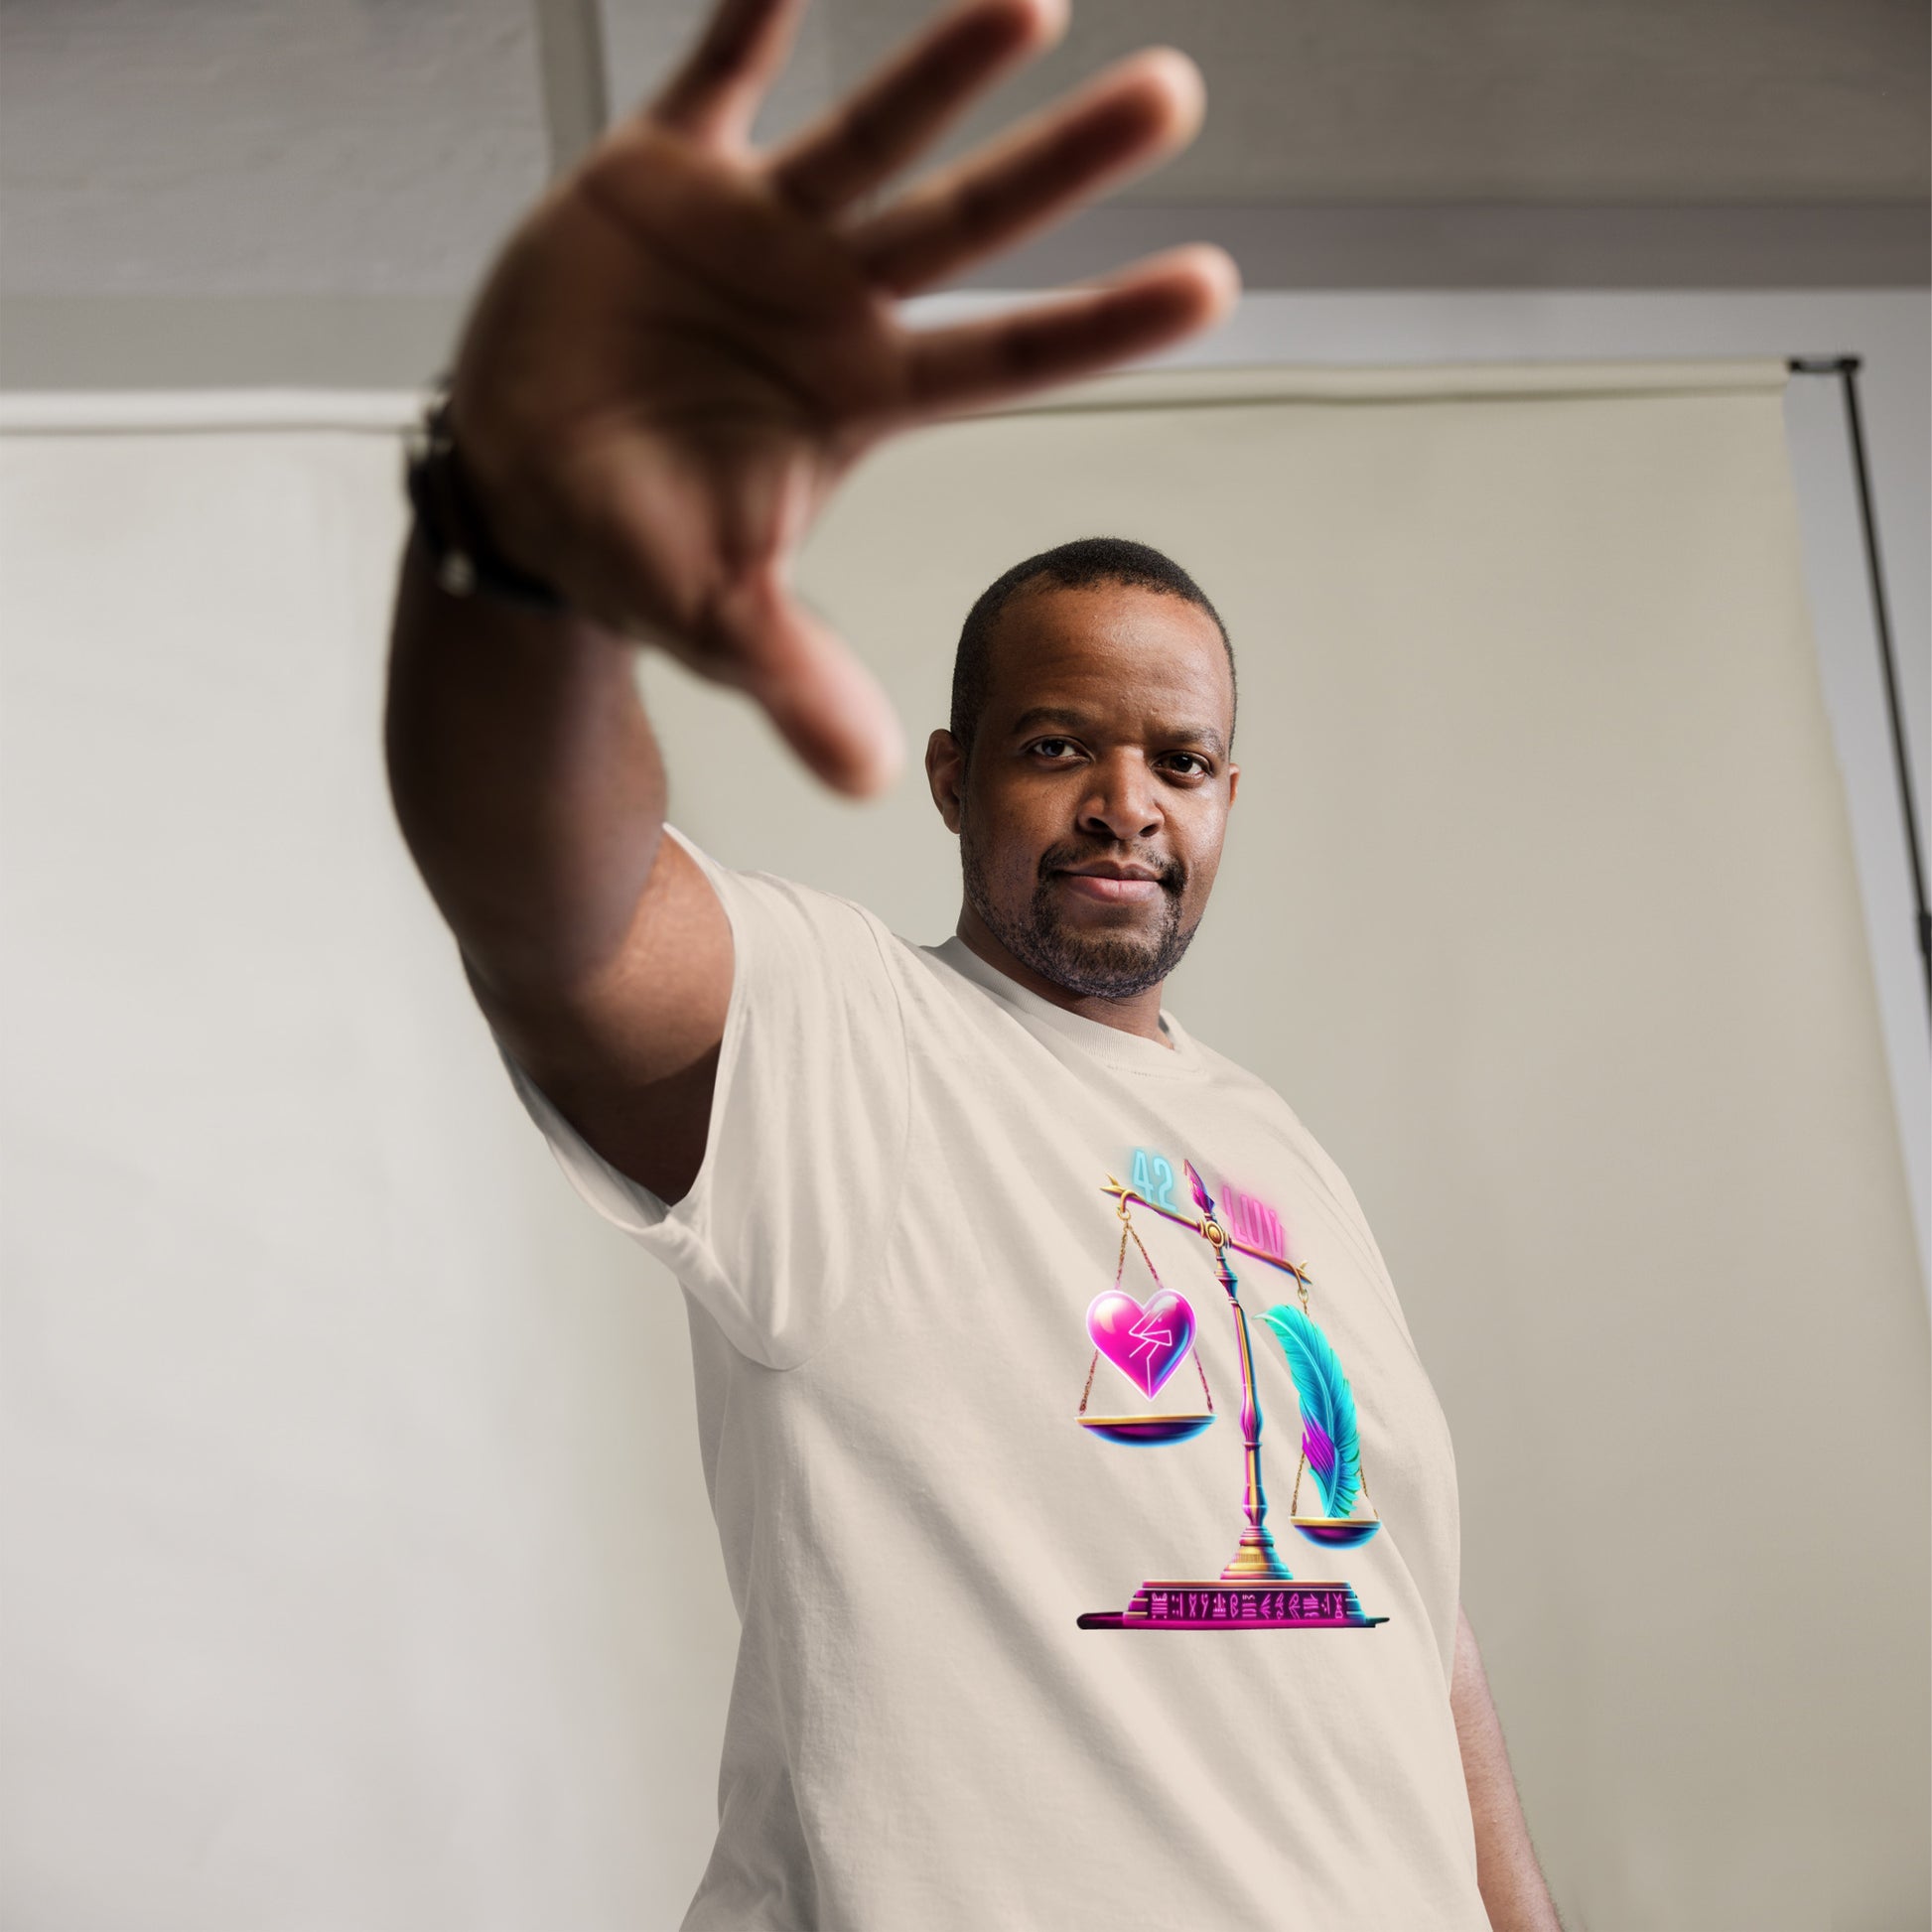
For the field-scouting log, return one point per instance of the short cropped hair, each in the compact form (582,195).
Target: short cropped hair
(1067,565)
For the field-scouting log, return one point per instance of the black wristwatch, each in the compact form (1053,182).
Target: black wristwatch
(451,527)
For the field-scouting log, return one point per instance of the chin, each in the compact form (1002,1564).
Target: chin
(1102,965)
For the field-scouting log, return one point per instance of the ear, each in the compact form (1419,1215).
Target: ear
(945,772)
(1234,781)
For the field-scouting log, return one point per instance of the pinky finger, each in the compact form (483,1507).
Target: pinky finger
(1143,309)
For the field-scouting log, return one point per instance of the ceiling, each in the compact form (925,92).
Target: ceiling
(366,153)
(1473,100)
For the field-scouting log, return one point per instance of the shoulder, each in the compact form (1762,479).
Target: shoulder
(792,922)
(1241,1084)
(1275,1113)
(1269,1108)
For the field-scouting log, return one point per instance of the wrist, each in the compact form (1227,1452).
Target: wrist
(449,525)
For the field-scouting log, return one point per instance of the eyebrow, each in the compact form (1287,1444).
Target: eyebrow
(1205,736)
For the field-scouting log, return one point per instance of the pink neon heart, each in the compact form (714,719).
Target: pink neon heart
(1143,1340)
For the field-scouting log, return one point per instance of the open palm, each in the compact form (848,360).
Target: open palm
(688,343)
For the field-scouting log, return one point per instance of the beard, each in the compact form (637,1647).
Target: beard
(1100,965)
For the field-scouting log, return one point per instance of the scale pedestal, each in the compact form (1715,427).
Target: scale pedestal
(1255,1560)
(1160,1606)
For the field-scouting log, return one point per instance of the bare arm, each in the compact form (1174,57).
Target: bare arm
(1507,1874)
(676,357)
(530,786)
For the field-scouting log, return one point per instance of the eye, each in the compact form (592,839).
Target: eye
(1049,748)
(1201,766)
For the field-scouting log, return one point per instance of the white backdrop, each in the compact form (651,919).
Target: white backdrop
(346,1456)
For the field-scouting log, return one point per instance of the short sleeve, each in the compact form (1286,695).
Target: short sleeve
(807,1137)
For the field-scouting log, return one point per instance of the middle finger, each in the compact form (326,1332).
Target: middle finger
(1140,112)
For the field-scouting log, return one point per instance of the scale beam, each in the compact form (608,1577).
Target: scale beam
(1200,1223)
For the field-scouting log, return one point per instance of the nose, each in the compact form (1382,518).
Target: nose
(1123,803)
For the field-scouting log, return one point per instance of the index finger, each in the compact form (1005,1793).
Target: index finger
(904,106)
(715,95)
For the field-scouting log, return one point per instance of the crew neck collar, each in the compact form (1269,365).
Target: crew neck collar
(1133,1053)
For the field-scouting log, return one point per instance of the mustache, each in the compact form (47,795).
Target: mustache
(1171,872)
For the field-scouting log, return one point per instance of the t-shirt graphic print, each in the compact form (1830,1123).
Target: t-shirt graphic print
(891,1261)
(1148,1340)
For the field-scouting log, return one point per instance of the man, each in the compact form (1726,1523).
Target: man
(879,1170)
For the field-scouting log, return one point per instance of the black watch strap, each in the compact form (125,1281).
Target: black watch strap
(452,530)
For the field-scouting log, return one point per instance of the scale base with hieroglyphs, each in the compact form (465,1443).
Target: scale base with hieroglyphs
(1220,1607)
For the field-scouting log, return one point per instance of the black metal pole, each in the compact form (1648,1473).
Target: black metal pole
(1845,368)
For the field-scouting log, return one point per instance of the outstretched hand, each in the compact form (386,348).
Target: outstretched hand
(687,343)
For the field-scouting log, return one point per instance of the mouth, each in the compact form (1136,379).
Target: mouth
(1108,884)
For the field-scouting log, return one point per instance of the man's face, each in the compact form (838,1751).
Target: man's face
(1091,812)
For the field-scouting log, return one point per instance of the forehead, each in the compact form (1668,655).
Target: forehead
(1118,647)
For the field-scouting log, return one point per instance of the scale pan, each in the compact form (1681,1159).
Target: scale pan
(1147,1429)
(1336,1532)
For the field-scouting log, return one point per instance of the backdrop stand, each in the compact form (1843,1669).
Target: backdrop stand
(1845,368)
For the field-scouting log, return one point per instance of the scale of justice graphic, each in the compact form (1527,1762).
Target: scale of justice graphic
(1148,1341)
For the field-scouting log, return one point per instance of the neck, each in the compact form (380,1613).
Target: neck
(1137,1013)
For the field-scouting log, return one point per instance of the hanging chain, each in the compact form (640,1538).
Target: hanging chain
(1361,1479)
(1295,1500)
(1362,1474)
(1128,1229)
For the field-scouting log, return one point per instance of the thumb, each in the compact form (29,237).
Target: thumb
(828,706)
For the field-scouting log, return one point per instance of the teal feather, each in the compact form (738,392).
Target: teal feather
(1330,1437)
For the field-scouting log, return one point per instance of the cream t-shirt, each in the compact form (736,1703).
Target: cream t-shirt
(888,1258)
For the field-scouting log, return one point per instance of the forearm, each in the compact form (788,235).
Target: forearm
(1508,1874)
(526,778)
